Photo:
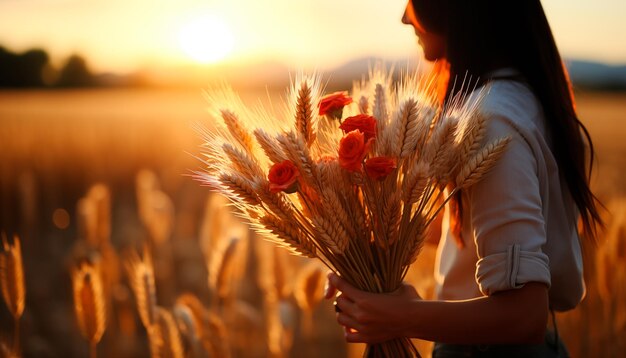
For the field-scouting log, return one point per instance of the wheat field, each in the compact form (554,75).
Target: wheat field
(96,185)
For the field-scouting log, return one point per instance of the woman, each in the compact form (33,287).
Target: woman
(509,250)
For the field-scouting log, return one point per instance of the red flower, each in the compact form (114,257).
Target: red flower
(364,123)
(352,150)
(333,104)
(379,167)
(283,177)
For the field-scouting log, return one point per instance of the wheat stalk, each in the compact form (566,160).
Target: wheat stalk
(481,163)
(89,303)
(12,281)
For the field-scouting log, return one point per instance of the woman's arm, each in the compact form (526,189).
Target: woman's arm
(512,316)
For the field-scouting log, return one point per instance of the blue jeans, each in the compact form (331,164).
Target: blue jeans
(552,347)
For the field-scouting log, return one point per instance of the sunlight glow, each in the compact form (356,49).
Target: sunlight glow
(206,39)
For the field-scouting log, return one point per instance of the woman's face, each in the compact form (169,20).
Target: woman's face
(432,44)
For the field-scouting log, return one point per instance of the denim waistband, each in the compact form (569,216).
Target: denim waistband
(546,350)
(551,347)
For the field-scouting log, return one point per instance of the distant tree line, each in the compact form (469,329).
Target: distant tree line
(32,69)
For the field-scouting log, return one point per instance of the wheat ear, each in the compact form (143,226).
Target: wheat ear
(6,351)
(380,106)
(298,152)
(141,276)
(12,281)
(270,146)
(101,196)
(406,122)
(304,113)
(332,233)
(221,267)
(481,163)
(363,105)
(309,292)
(440,152)
(416,240)
(243,162)
(12,276)
(415,183)
(170,340)
(333,206)
(391,215)
(240,188)
(276,203)
(89,303)
(209,327)
(472,137)
(288,236)
(237,130)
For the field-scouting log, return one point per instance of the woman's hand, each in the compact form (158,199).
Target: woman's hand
(372,317)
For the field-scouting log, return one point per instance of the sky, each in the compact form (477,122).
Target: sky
(126,35)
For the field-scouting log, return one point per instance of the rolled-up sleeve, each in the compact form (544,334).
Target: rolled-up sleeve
(507,218)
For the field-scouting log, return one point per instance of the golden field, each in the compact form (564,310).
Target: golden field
(122,159)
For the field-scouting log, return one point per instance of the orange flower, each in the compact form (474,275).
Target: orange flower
(364,123)
(352,150)
(379,167)
(333,104)
(283,177)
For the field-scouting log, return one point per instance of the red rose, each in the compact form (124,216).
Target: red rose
(379,167)
(283,177)
(364,123)
(333,104)
(352,150)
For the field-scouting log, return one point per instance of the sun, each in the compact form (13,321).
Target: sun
(206,39)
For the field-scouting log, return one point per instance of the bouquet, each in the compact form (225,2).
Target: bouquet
(353,181)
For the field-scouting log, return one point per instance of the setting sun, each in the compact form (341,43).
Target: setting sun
(206,39)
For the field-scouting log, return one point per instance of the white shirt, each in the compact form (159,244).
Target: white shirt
(519,221)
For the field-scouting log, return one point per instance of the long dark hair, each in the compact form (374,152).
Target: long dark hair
(483,35)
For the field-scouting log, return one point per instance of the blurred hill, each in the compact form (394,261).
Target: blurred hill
(32,69)
(597,76)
